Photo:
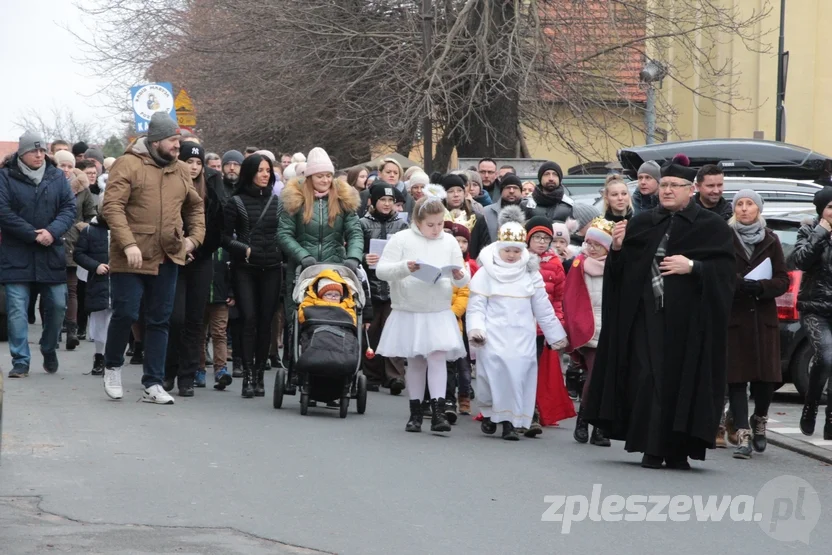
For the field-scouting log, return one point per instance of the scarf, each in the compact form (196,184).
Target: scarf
(616,218)
(545,198)
(503,278)
(593,266)
(161,162)
(657,281)
(35,175)
(750,235)
(319,194)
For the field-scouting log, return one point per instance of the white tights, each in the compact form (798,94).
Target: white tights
(99,347)
(431,369)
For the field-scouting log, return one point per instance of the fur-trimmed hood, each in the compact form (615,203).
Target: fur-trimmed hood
(292,195)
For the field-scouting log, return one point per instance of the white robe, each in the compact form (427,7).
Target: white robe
(506,302)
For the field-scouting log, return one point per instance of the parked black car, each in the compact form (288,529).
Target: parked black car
(743,157)
(795,351)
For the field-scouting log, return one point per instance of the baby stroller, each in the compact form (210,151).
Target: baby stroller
(325,355)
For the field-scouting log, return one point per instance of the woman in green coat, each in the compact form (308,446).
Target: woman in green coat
(319,223)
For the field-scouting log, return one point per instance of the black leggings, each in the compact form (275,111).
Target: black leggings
(257,291)
(763,392)
(819,330)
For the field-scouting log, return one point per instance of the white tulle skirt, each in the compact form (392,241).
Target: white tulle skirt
(412,334)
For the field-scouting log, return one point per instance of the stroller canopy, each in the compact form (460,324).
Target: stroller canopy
(312,273)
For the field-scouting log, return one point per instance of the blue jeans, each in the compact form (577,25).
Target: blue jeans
(158,293)
(17,309)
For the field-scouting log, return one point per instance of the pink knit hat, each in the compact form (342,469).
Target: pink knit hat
(318,162)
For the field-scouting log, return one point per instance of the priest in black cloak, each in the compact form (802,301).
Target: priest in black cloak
(659,376)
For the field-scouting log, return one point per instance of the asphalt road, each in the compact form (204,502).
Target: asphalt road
(221,474)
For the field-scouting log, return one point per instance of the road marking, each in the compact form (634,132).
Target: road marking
(786,430)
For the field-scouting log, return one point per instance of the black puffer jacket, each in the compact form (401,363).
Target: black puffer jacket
(813,254)
(723,208)
(241,214)
(91,250)
(376,227)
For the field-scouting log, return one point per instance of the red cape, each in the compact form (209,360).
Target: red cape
(553,400)
(577,306)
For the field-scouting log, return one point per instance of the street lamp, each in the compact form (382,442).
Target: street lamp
(653,72)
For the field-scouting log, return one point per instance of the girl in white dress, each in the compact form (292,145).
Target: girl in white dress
(507,298)
(421,326)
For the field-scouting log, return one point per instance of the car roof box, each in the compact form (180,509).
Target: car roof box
(755,157)
(744,166)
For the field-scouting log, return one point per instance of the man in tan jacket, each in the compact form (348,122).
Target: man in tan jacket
(148,202)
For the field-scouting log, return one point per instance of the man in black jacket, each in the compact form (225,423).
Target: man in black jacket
(710,182)
(485,229)
(549,197)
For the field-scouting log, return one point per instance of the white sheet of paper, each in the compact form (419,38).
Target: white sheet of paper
(82,274)
(432,274)
(762,271)
(377,247)
(402,216)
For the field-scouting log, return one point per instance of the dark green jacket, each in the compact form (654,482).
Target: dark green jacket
(325,243)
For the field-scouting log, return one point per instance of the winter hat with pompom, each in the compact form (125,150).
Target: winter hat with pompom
(679,167)
(511,232)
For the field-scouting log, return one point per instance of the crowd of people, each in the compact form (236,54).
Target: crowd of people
(471,277)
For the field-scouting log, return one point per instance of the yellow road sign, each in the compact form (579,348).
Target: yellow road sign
(183,102)
(186,119)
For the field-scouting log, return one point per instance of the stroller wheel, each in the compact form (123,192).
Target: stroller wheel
(361,398)
(304,403)
(345,406)
(279,380)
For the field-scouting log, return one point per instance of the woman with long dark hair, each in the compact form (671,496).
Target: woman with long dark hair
(250,235)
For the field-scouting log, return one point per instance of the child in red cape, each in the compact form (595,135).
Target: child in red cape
(582,307)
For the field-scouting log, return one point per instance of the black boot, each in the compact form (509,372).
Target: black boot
(487,426)
(581,433)
(758,432)
(509,433)
(138,353)
(415,422)
(276,363)
(71,336)
(237,368)
(599,438)
(438,422)
(807,419)
(97,365)
(260,387)
(651,461)
(248,381)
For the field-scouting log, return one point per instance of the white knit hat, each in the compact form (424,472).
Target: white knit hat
(267,153)
(289,172)
(298,157)
(318,162)
(418,178)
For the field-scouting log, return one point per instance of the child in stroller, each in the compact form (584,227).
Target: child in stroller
(328,344)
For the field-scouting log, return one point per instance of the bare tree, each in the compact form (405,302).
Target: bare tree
(350,74)
(59,123)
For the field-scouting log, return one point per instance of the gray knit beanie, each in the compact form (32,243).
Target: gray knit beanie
(29,141)
(747,193)
(584,213)
(161,127)
(651,168)
(232,156)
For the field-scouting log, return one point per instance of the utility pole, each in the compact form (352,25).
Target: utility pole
(427,126)
(782,70)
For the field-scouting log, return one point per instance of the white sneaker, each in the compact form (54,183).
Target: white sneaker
(112,383)
(157,394)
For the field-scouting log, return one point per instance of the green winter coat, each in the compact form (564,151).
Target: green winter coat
(325,243)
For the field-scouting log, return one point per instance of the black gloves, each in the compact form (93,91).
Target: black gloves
(352,264)
(308,261)
(94,188)
(751,287)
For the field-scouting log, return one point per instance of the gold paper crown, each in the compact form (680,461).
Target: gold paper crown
(604,225)
(458,216)
(511,232)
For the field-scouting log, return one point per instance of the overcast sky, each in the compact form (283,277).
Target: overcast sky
(30,34)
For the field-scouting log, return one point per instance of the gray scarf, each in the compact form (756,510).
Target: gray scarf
(161,162)
(35,175)
(750,235)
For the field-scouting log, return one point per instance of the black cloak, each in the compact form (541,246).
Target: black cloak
(659,376)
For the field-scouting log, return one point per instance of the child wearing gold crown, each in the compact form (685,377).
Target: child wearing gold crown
(582,310)
(507,302)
